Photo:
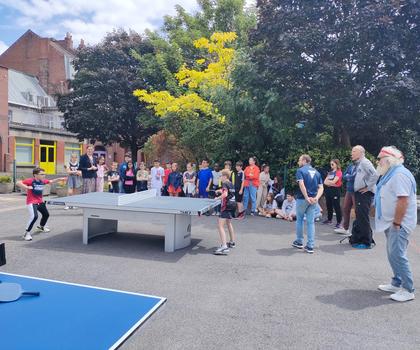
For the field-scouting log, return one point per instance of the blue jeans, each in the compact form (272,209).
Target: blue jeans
(396,246)
(250,192)
(302,208)
(121,187)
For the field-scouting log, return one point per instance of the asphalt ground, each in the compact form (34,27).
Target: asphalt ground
(264,295)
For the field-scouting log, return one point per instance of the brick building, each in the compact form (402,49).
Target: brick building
(47,59)
(33,70)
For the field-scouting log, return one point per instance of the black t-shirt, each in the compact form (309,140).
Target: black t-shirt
(227,187)
(113,173)
(239,178)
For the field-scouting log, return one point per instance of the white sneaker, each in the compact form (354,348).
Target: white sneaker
(44,229)
(27,236)
(342,231)
(222,250)
(67,207)
(402,295)
(389,288)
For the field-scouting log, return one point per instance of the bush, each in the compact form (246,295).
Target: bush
(320,160)
(5,179)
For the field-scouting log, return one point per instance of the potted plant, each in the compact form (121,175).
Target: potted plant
(6,185)
(61,188)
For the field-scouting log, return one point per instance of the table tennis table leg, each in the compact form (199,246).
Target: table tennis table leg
(96,226)
(178,232)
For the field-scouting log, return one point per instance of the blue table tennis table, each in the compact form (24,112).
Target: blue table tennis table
(68,316)
(103,210)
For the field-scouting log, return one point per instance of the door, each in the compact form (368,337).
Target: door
(47,154)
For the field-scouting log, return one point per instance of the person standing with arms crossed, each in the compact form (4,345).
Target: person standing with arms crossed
(310,191)
(332,187)
(364,190)
(251,183)
(87,165)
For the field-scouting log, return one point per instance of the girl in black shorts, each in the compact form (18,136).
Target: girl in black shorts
(227,212)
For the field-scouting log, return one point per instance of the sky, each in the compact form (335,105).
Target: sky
(87,19)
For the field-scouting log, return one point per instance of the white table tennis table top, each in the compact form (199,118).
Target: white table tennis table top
(146,201)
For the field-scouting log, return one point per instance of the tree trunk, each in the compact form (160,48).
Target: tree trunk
(345,138)
(134,148)
(341,136)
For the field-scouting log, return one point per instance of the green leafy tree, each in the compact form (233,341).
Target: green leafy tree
(173,47)
(101,105)
(348,67)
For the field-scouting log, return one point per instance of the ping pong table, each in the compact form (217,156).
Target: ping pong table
(102,210)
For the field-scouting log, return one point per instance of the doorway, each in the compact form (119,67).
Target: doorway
(47,156)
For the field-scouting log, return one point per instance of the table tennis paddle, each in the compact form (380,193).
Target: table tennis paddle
(12,291)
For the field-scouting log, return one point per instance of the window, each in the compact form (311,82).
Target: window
(71,148)
(24,151)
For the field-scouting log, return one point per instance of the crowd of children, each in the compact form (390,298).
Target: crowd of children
(241,191)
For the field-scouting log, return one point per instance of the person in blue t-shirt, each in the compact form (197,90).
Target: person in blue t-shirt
(310,190)
(122,170)
(204,179)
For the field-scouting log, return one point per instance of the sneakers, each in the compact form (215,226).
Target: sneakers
(231,245)
(338,226)
(67,207)
(361,246)
(297,245)
(309,250)
(27,236)
(44,229)
(389,288)
(342,231)
(402,295)
(222,250)
(327,222)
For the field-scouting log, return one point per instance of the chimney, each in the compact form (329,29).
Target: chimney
(69,41)
(82,44)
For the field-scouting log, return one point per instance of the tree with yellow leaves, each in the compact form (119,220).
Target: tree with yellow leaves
(198,83)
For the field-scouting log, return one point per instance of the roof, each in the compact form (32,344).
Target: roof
(25,90)
(53,42)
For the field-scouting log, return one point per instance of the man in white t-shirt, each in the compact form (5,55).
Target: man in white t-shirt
(396,214)
(156,174)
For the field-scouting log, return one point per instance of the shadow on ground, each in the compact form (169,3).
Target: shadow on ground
(356,299)
(121,244)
